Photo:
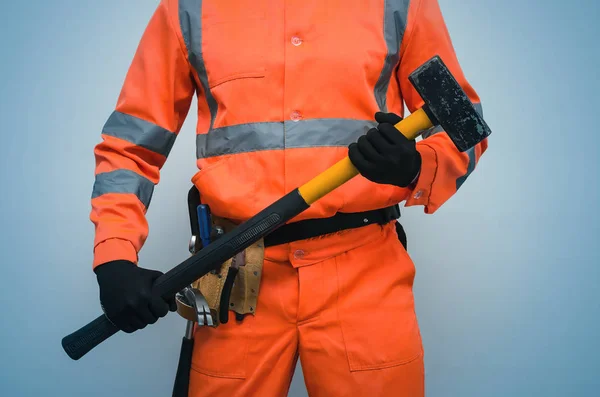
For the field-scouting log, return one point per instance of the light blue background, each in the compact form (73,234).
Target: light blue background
(507,281)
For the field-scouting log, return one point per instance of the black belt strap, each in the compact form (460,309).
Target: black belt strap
(341,221)
(312,227)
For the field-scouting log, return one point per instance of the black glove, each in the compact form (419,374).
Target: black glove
(126,295)
(384,155)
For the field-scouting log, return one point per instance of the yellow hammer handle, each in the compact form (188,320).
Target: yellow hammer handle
(344,170)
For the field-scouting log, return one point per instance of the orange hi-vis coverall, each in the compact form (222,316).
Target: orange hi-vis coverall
(283,87)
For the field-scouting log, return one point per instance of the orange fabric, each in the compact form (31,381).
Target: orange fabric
(272,93)
(114,154)
(122,227)
(308,70)
(256,74)
(342,303)
(443,164)
(158,88)
(339,46)
(106,248)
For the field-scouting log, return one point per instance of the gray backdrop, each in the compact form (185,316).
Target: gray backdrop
(507,270)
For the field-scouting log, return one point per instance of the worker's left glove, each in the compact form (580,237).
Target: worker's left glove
(384,155)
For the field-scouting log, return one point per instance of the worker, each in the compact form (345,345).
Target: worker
(284,90)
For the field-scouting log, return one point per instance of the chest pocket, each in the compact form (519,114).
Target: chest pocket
(234,40)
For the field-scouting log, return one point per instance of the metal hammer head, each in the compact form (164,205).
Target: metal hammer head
(447,104)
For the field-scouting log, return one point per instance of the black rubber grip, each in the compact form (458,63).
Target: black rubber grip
(193,203)
(80,342)
(210,257)
(226,295)
(182,376)
(243,236)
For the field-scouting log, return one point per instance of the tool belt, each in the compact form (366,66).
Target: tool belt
(235,285)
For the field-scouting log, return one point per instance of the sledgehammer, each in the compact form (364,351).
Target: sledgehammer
(446,104)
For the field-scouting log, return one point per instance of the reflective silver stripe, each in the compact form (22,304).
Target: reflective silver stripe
(438,128)
(471,153)
(325,132)
(470,168)
(190,20)
(270,136)
(394,25)
(432,131)
(240,138)
(124,181)
(140,132)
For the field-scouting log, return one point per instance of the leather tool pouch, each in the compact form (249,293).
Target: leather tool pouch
(235,286)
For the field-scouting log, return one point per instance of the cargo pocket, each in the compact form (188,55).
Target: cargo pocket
(222,351)
(376,306)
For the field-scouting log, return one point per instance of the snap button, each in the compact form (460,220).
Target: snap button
(296,41)
(299,254)
(296,116)
(418,194)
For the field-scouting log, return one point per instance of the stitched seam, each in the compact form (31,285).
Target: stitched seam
(384,59)
(115,238)
(309,320)
(409,36)
(217,154)
(106,134)
(337,310)
(182,45)
(434,174)
(217,374)
(387,365)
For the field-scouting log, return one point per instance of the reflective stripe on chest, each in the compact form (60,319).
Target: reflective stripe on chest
(283,74)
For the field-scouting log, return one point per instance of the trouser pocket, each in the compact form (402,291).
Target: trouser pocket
(376,305)
(222,351)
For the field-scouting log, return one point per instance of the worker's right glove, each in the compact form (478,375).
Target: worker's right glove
(126,295)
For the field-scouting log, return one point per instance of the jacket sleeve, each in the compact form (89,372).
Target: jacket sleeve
(138,136)
(444,168)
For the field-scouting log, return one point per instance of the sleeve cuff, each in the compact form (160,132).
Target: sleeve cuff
(114,249)
(421,190)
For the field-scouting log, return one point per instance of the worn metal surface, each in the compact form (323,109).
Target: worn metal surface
(449,105)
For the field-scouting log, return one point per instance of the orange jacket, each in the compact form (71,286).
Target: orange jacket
(283,87)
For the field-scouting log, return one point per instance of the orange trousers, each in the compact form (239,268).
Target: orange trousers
(342,303)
